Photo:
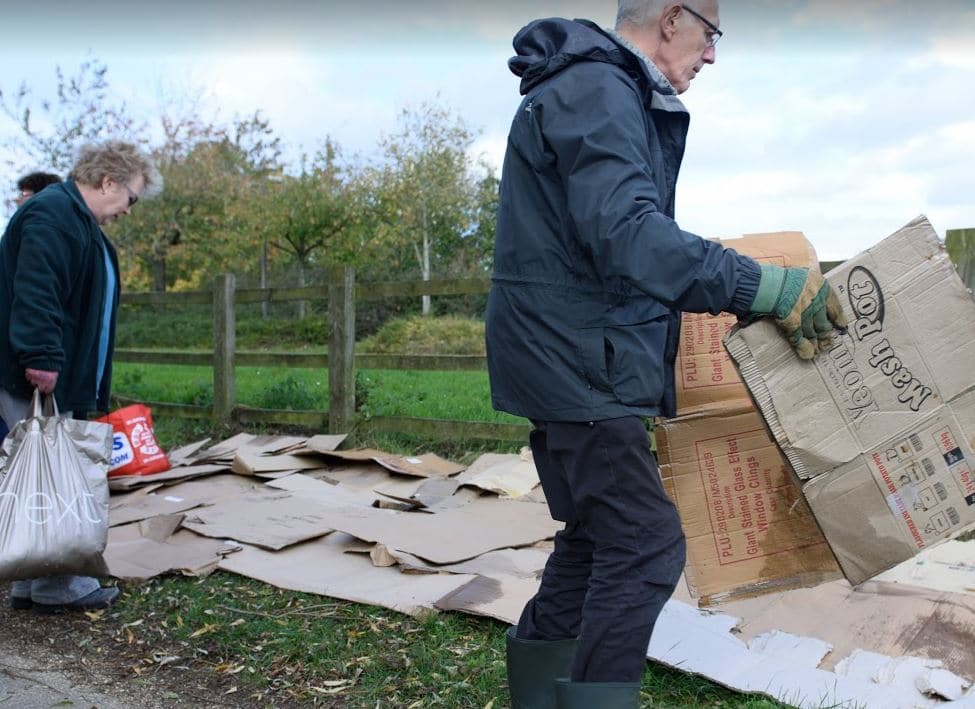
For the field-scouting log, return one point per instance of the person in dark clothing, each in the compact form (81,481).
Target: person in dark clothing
(59,293)
(591,272)
(31,184)
(27,186)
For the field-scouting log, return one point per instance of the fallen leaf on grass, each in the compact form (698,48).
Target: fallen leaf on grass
(333,687)
(207,628)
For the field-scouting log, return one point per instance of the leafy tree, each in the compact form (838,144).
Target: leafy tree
(191,229)
(312,216)
(52,129)
(425,194)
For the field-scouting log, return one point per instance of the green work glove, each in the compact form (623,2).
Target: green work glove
(804,305)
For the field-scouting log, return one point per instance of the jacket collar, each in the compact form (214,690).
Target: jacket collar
(70,188)
(663,83)
(664,96)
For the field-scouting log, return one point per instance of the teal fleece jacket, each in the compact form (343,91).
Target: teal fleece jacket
(52,296)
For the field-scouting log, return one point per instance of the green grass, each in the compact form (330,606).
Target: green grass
(271,645)
(462,396)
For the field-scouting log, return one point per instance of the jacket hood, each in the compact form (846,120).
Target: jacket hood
(546,47)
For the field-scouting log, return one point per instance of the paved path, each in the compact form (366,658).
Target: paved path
(25,685)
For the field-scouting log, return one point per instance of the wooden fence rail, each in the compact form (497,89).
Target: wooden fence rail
(341,293)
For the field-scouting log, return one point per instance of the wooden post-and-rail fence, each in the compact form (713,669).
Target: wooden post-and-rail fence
(341,361)
(342,293)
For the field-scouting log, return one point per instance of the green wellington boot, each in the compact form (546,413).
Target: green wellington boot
(590,695)
(533,666)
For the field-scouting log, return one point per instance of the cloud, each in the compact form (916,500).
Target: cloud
(490,148)
(957,51)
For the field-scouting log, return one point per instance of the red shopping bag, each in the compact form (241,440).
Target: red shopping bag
(134,447)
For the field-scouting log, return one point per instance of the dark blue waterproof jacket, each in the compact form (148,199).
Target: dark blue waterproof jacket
(591,271)
(52,294)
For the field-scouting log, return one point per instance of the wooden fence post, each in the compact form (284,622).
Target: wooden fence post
(341,350)
(224,345)
(961,248)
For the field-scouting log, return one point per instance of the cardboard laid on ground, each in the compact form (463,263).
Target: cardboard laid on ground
(880,428)
(153,547)
(508,475)
(784,663)
(307,487)
(429,492)
(184,472)
(428,465)
(896,620)
(152,505)
(747,527)
(449,536)
(252,462)
(704,373)
(322,566)
(526,563)
(272,520)
(214,487)
(370,477)
(949,566)
(793,665)
(746,533)
(322,443)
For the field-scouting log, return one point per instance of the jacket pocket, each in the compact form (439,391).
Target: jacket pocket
(634,356)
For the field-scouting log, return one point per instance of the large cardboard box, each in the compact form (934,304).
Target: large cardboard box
(881,428)
(704,372)
(748,530)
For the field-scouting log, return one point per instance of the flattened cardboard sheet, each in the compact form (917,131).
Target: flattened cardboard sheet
(151,548)
(251,462)
(513,476)
(323,443)
(273,520)
(184,454)
(185,472)
(526,563)
(214,488)
(322,566)
(502,598)
(451,535)
(151,506)
(892,619)
(428,465)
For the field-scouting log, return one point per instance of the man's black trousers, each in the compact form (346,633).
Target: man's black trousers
(620,555)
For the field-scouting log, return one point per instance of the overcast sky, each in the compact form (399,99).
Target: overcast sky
(840,118)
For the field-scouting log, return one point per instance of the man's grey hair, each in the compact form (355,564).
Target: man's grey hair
(640,12)
(116,159)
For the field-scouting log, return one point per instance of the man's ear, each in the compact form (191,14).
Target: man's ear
(669,20)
